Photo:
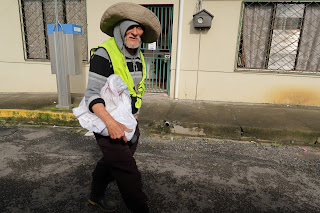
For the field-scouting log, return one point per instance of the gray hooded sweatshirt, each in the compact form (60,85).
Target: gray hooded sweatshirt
(101,67)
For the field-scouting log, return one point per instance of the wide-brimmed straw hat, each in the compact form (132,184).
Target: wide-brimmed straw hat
(134,12)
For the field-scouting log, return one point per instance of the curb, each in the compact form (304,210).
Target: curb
(246,133)
(39,117)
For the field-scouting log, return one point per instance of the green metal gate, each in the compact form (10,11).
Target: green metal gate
(158,54)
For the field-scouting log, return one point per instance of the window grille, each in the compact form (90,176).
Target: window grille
(280,36)
(36,14)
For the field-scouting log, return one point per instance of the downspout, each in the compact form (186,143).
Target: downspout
(176,88)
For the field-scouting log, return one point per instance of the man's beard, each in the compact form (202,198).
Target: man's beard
(131,46)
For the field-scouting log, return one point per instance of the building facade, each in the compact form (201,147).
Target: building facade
(254,52)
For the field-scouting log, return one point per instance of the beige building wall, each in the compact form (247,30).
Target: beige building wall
(17,75)
(208,65)
(207,69)
(20,75)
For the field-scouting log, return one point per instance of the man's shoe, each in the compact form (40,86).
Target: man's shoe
(102,203)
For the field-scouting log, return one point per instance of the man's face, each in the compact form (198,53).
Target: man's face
(133,36)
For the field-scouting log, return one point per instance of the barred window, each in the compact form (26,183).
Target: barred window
(280,36)
(36,14)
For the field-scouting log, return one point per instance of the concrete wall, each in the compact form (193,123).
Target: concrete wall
(207,59)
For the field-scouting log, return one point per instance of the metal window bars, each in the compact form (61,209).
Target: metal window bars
(36,14)
(280,36)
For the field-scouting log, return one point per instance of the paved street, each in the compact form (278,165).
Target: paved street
(46,169)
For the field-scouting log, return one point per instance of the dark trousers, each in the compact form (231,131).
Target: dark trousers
(118,164)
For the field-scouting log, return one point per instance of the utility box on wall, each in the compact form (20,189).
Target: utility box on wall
(65,57)
(71,45)
(202,19)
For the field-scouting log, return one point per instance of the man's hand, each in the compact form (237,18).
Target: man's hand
(116,130)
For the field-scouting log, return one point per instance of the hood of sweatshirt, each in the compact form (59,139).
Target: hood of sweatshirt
(119,33)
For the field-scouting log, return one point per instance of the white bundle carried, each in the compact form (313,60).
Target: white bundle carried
(117,99)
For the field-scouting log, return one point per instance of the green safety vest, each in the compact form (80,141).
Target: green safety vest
(120,68)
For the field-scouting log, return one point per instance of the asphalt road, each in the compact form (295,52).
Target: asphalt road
(46,169)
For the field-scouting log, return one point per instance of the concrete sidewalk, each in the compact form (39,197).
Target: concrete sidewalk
(241,121)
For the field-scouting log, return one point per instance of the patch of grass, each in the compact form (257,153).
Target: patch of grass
(206,140)
(162,130)
(44,119)
(275,144)
(277,161)
(2,122)
(178,137)
(77,130)
(53,108)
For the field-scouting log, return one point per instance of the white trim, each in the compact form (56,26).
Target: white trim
(176,89)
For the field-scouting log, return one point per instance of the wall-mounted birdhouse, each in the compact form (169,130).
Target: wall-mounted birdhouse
(202,19)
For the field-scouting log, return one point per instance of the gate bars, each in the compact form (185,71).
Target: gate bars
(158,57)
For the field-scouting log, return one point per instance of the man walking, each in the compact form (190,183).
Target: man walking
(129,25)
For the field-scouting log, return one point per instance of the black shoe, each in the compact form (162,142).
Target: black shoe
(102,203)
(143,208)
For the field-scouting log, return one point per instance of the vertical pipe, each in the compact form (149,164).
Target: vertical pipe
(169,48)
(176,92)
(56,10)
(63,85)
(171,21)
(57,47)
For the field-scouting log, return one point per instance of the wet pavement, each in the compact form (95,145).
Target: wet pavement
(45,169)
